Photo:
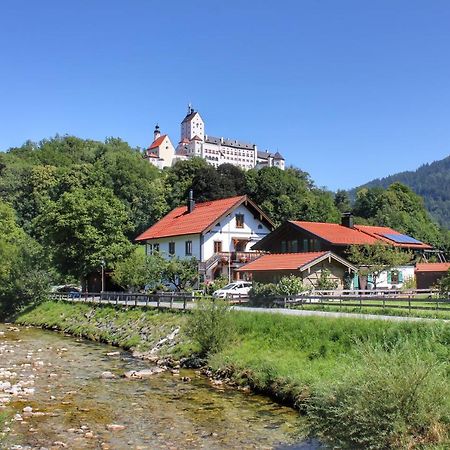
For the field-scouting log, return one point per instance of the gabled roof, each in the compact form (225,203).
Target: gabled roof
(151,155)
(157,142)
(432,267)
(380,232)
(185,140)
(196,138)
(335,233)
(204,216)
(291,261)
(189,116)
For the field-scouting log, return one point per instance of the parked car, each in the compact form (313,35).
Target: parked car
(236,289)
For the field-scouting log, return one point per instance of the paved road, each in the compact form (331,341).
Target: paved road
(285,311)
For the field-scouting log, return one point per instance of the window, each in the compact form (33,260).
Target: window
(305,247)
(155,248)
(171,248)
(188,248)
(149,249)
(260,227)
(283,246)
(239,220)
(217,246)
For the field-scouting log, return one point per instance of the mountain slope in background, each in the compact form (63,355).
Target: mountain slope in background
(431,181)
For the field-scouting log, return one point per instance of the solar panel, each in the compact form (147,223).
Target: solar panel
(401,238)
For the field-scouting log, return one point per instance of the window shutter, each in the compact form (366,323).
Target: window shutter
(389,277)
(400,276)
(356,281)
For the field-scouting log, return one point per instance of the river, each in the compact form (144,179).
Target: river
(57,399)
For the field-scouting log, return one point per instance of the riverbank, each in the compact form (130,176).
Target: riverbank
(300,361)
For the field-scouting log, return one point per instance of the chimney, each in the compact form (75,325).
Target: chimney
(156,133)
(347,220)
(191,202)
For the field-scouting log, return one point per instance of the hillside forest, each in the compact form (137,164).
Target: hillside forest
(430,181)
(67,205)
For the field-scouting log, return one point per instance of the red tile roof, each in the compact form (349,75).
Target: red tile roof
(379,232)
(281,261)
(157,142)
(335,233)
(178,222)
(291,261)
(432,267)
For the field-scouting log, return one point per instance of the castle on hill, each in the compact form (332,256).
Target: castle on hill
(215,150)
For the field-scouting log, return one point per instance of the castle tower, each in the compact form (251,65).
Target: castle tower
(192,125)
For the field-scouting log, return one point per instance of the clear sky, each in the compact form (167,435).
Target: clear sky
(347,90)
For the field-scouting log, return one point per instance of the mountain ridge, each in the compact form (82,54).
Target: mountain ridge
(431,181)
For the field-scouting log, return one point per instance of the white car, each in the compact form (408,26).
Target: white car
(236,289)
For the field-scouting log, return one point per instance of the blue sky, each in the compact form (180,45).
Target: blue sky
(347,90)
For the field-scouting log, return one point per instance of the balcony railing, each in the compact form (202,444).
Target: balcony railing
(233,258)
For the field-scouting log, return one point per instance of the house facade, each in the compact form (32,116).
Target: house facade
(309,267)
(219,234)
(429,274)
(303,237)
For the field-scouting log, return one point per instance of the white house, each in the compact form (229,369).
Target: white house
(219,234)
(161,152)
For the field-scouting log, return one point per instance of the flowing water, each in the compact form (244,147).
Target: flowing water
(57,399)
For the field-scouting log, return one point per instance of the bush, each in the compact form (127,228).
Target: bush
(290,285)
(325,282)
(210,325)
(212,286)
(392,398)
(263,294)
(444,285)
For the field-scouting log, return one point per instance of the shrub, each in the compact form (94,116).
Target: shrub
(325,281)
(290,285)
(392,398)
(212,286)
(262,294)
(444,285)
(210,325)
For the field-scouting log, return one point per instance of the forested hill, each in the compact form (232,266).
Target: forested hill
(430,181)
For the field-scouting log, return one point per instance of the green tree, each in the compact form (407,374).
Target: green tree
(24,274)
(342,201)
(83,228)
(181,273)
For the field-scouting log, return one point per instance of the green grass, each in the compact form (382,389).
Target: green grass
(404,312)
(293,359)
(132,328)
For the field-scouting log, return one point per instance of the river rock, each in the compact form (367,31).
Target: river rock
(27,409)
(192,362)
(115,427)
(113,354)
(107,375)
(146,373)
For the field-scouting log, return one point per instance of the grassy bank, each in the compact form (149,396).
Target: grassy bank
(385,384)
(135,328)
(403,312)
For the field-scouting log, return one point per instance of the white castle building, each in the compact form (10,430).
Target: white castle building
(215,150)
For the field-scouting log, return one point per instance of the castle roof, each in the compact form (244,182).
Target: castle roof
(189,116)
(229,142)
(157,142)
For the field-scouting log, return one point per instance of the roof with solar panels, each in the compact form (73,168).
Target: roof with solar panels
(393,237)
